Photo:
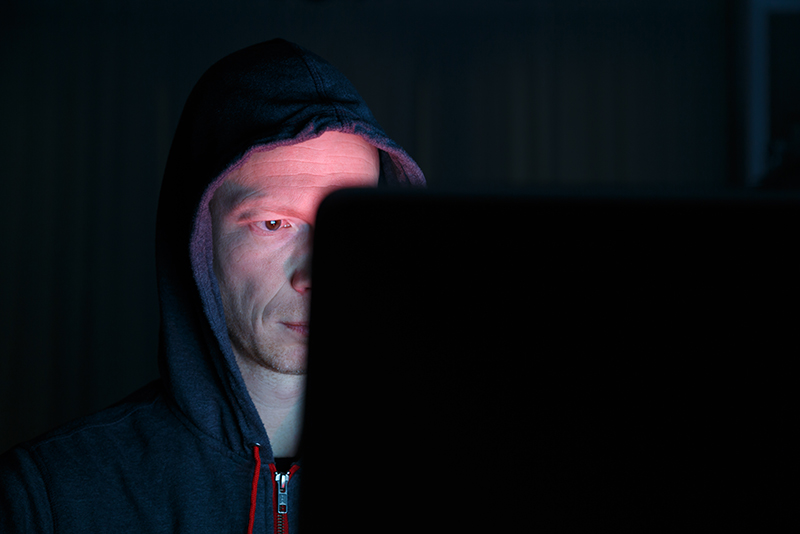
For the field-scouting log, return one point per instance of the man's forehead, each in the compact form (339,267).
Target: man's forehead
(296,178)
(254,186)
(259,175)
(276,194)
(333,157)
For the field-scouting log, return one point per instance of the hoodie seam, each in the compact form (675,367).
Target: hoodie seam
(319,87)
(207,438)
(41,467)
(84,427)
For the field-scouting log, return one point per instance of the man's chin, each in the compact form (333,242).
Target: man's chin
(285,357)
(289,371)
(287,364)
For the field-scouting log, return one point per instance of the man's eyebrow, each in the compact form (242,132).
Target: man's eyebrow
(245,203)
(244,198)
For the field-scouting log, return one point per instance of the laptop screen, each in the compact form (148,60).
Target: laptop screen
(553,361)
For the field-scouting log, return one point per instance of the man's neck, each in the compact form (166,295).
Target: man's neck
(279,401)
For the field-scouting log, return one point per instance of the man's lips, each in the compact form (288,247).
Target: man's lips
(301,327)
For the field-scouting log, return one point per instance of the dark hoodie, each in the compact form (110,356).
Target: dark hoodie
(180,455)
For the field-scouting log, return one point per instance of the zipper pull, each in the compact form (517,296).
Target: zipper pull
(282,481)
(281,492)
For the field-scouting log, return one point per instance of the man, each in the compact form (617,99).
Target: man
(212,446)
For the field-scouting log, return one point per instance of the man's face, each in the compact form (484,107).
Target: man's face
(263,216)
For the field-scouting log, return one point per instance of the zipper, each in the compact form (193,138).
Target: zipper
(282,510)
(281,500)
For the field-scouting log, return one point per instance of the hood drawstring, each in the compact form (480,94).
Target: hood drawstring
(254,490)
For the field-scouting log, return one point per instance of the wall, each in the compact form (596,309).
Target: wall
(492,93)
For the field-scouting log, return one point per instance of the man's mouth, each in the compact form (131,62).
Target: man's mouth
(301,327)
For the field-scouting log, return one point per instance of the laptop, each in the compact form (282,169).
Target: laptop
(549,362)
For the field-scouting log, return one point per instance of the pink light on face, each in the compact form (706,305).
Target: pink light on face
(262,266)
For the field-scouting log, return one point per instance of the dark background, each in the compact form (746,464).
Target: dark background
(506,93)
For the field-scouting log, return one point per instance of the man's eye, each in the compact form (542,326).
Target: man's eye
(274,225)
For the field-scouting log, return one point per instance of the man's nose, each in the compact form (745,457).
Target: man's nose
(301,274)
(301,278)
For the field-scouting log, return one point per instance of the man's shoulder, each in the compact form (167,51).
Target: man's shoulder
(142,413)
(71,466)
(120,466)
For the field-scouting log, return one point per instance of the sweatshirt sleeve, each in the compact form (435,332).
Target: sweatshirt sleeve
(24,504)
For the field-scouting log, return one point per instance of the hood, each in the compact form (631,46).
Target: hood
(270,94)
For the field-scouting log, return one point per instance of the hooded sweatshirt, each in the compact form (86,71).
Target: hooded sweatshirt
(188,452)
